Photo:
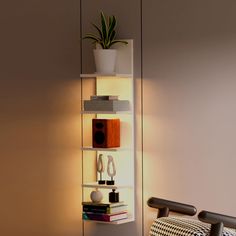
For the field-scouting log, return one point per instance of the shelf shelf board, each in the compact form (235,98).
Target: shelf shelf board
(103,149)
(106,112)
(104,186)
(106,75)
(117,222)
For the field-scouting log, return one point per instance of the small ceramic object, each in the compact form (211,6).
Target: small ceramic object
(113,196)
(96,196)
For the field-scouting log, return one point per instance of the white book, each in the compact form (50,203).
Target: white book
(106,105)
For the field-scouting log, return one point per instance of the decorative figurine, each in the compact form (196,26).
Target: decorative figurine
(113,196)
(111,170)
(100,168)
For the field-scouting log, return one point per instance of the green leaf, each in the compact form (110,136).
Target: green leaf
(91,36)
(99,31)
(109,21)
(88,36)
(112,36)
(118,41)
(112,25)
(104,28)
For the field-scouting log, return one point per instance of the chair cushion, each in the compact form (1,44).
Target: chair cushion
(179,226)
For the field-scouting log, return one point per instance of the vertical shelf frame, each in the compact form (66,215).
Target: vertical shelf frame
(120,83)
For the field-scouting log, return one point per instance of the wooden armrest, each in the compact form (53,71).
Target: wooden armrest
(217,221)
(164,206)
(215,218)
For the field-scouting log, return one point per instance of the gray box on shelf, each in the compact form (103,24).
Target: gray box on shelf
(106,105)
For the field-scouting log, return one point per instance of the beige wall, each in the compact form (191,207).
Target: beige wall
(39,118)
(188,109)
(189,57)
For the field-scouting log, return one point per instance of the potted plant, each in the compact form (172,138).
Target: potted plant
(104,55)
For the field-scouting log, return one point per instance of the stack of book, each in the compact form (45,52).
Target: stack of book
(106,103)
(108,212)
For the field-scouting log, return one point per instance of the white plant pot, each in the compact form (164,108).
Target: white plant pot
(105,60)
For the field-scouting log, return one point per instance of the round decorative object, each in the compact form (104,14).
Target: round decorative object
(96,196)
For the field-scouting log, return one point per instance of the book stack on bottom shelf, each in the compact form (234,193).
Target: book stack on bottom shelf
(106,212)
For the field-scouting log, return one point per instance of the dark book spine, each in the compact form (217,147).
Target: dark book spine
(95,209)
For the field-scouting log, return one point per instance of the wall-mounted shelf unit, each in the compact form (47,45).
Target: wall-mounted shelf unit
(119,84)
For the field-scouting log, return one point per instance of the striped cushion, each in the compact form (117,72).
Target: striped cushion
(178,226)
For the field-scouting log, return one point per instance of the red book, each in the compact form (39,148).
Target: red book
(104,217)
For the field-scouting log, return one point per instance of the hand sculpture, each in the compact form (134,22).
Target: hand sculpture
(111,170)
(100,168)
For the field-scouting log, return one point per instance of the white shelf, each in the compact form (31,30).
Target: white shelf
(104,186)
(106,112)
(104,149)
(117,222)
(93,75)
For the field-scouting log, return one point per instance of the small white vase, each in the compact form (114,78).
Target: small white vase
(105,60)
